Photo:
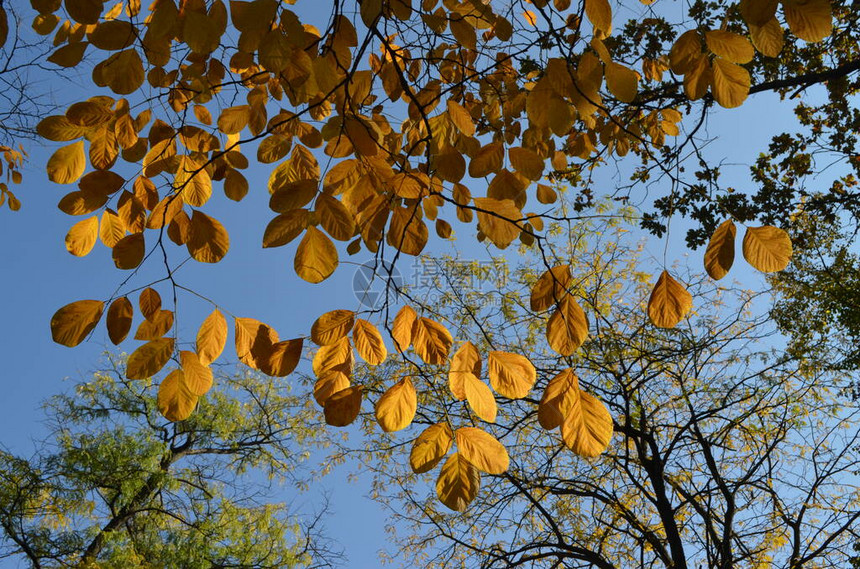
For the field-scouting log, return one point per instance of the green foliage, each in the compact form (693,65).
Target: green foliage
(118,486)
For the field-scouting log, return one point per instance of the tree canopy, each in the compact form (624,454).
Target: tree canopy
(381,117)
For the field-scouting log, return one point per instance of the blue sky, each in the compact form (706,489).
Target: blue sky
(39,276)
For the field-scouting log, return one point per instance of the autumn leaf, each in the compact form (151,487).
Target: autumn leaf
(396,408)
(430,447)
(368,342)
(669,303)
(482,450)
(342,407)
(72,323)
(767,248)
(332,326)
(458,482)
(148,359)
(175,401)
(720,254)
(511,375)
(211,337)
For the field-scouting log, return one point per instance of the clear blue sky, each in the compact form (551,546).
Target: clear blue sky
(39,276)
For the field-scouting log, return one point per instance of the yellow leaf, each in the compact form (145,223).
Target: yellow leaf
(254,341)
(622,81)
(233,119)
(431,340)
(396,408)
(567,328)
(342,408)
(758,12)
(111,229)
(487,160)
(73,322)
(175,401)
(768,38)
(559,397)
(119,317)
(149,302)
(587,428)
(129,251)
(545,194)
(530,17)
(316,257)
(330,382)
(193,183)
(730,46)
(466,360)
(526,162)
(720,253)
(482,450)
(669,302)
(283,358)
(113,35)
(68,55)
(498,220)
(332,326)
(123,72)
(511,375)
(430,447)
(198,376)
(685,53)
(334,356)
(599,14)
(731,83)
(211,337)
(67,164)
(148,359)
(59,129)
(480,397)
(401,328)
(461,118)
(408,233)
(767,248)
(334,218)
(285,227)
(155,326)
(209,241)
(550,288)
(458,483)
(810,20)
(698,78)
(82,236)
(368,342)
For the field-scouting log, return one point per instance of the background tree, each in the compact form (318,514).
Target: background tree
(117,485)
(728,451)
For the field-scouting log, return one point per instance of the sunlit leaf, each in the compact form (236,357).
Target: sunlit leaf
(720,254)
(148,359)
(72,323)
(511,375)
(567,328)
(401,328)
(767,248)
(481,449)
(396,408)
(211,337)
(431,340)
(332,326)
(119,318)
(198,376)
(466,360)
(175,401)
(316,256)
(587,428)
(480,398)
(368,342)
(669,302)
(458,482)
(82,237)
(342,407)
(430,447)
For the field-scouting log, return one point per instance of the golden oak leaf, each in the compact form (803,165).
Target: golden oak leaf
(198,376)
(396,408)
(148,359)
(511,375)
(431,340)
(174,400)
(119,317)
(316,257)
(430,447)
(342,407)
(73,322)
(82,236)
(720,254)
(332,326)
(368,342)
(458,482)
(669,303)
(767,248)
(587,428)
(211,337)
